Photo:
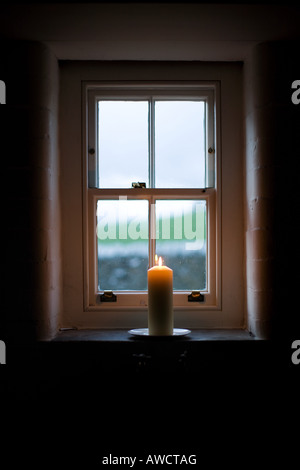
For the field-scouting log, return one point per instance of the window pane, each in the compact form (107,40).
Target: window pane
(181,241)
(122,241)
(179,144)
(122,143)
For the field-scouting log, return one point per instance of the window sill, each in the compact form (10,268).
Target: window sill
(116,352)
(90,358)
(122,335)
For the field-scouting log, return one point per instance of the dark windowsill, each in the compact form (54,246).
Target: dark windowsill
(122,335)
(117,350)
(94,354)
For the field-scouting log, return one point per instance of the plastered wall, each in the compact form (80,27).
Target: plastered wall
(30,145)
(271,161)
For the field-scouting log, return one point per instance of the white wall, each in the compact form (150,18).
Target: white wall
(272,167)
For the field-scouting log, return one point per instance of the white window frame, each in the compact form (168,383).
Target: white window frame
(137,300)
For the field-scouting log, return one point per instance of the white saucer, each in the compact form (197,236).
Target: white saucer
(145,332)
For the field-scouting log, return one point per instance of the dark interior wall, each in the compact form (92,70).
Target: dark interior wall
(272,169)
(29,146)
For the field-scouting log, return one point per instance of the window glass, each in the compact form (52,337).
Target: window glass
(179,144)
(122,143)
(159,139)
(181,241)
(122,244)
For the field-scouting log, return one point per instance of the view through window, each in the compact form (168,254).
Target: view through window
(141,139)
(123,242)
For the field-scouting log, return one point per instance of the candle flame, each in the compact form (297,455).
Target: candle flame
(160,261)
(156,259)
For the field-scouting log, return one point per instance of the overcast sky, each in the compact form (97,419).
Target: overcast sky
(179,143)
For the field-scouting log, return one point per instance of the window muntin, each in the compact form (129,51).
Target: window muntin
(206,194)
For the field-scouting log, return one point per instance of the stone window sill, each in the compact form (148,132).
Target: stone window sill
(119,335)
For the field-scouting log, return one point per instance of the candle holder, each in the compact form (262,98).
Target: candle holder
(144,332)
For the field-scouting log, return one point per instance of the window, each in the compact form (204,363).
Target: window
(150,189)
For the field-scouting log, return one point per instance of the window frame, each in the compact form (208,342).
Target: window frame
(137,300)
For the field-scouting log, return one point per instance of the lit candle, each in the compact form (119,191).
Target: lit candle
(160,300)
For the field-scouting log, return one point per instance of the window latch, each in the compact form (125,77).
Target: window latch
(196,296)
(108,296)
(138,185)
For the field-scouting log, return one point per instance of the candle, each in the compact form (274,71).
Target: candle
(160,300)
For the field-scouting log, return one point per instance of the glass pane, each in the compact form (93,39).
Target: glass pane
(122,143)
(181,241)
(122,242)
(179,144)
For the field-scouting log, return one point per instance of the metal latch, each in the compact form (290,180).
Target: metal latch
(196,296)
(108,296)
(138,185)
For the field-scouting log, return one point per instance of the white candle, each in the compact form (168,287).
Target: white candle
(160,300)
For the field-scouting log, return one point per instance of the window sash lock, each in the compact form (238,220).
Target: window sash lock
(195,296)
(108,296)
(138,185)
